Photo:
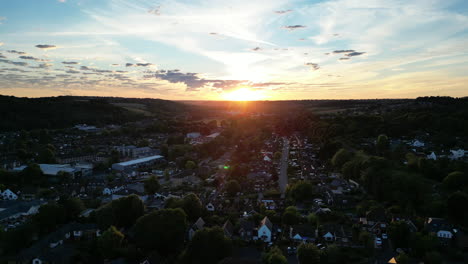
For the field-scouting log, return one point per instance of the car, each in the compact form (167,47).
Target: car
(291,250)
(384,236)
(378,241)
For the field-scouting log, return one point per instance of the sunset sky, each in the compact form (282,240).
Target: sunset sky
(216,49)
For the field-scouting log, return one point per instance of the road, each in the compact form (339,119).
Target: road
(283,176)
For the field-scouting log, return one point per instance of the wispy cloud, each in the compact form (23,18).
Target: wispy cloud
(294,27)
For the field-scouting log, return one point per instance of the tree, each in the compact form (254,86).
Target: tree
(308,254)
(208,246)
(167,175)
(334,255)
(277,155)
(162,230)
(122,212)
(110,242)
(72,206)
(422,243)
(457,205)
(49,216)
(46,156)
(402,258)
(291,216)
(366,240)
(455,180)
(382,144)
(32,173)
(232,187)
(399,233)
(312,219)
(274,256)
(191,205)
(190,165)
(151,185)
(433,257)
(301,191)
(340,158)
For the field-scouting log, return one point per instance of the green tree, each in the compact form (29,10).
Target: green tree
(49,216)
(151,185)
(167,175)
(191,205)
(457,206)
(402,258)
(274,256)
(232,187)
(190,165)
(208,246)
(122,212)
(301,191)
(382,144)
(399,233)
(162,230)
(312,219)
(433,257)
(291,216)
(110,242)
(341,157)
(72,206)
(455,181)
(308,254)
(32,174)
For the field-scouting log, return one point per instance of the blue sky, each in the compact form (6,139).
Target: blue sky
(208,49)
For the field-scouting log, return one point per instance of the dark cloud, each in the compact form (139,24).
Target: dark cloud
(45,46)
(343,51)
(344,58)
(301,39)
(2,57)
(115,64)
(31,58)
(70,62)
(294,27)
(281,12)
(155,11)
(352,54)
(72,71)
(17,63)
(328,53)
(144,64)
(85,68)
(42,66)
(128,64)
(313,66)
(213,33)
(17,52)
(256,49)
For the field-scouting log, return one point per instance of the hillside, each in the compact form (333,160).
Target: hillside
(66,111)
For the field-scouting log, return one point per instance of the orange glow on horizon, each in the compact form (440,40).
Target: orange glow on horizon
(244,94)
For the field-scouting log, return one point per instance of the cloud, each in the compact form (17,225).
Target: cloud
(115,64)
(344,58)
(85,68)
(294,27)
(144,64)
(17,52)
(343,51)
(18,63)
(2,56)
(1,43)
(62,1)
(42,66)
(213,33)
(72,71)
(70,62)
(281,12)
(128,64)
(314,66)
(155,11)
(2,19)
(45,46)
(256,49)
(31,58)
(352,54)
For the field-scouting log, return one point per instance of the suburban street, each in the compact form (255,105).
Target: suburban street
(283,176)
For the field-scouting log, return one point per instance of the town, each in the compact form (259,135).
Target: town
(345,181)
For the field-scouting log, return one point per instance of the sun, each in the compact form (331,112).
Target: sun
(244,94)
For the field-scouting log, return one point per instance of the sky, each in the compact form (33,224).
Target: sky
(243,49)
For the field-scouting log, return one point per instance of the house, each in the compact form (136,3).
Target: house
(17,209)
(193,135)
(329,237)
(198,225)
(8,195)
(265,230)
(246,230)
(441,228)
(57,247)
(228,229)
(210,207)
(457,154)
(303,233)
(432,156)
(136,163)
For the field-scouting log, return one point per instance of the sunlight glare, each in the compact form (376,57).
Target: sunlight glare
(244,94)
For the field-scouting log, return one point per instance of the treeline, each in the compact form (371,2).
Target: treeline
(65,111)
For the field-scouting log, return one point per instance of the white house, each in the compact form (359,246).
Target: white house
(329,236)
(457,154)
(210,207)
(9,195)
(444,234)
(265,230)
(432,156)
